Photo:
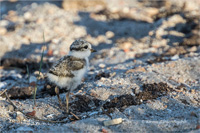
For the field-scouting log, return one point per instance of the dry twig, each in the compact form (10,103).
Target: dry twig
(29,116)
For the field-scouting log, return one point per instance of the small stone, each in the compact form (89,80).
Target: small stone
(181,80)
(159,43)
(12,13)
(27,15)
(175,57)
(10,108)
(50,52)
(103,79)
(171,65)
(193,49)
(136,90)
(152,11)
(192,91)
(93,94)
(110,34)
(126,45)
(198,126)
(112,122)
(55,52)
(101,38)
(164,99)
(39,20)
(156,65)
(50,116)
(151,33)
(2,98)
(113,88)
(4,23)
(104,130)
(102,65)
(3,31)
(138,69)
(3,85)
(193,101)
(20,116)
(39,74)
(78,5)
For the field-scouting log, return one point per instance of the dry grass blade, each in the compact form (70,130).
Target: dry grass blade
(29,116)
(41,63)
(106,113)
(27,68)
(3,92)
(75,116)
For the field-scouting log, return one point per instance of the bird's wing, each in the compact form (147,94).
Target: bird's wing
(66,65)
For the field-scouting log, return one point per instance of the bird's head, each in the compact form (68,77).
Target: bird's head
(81,48)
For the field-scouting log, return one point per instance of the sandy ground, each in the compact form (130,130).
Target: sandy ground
(146,70)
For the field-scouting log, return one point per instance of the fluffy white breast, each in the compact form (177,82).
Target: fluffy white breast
(59,81)
(67,82)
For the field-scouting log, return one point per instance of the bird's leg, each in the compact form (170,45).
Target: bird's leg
(67,102)
(57,93)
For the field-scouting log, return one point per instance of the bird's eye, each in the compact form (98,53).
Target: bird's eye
(85,47)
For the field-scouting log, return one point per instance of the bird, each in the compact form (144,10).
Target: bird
(68,72)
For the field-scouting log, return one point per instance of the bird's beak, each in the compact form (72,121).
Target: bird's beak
(92,50)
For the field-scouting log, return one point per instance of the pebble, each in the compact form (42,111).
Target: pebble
(10,108)
(3,85)
(15,76)
(104,130)
(125,45)
(193,49)
(156,105)
(112,122)
(138,69)
(3,31)
(102,65)
(101,38)
(37,74)
(20,116)
(193,91)
(1,98)
(110,34)
(164,99)
(4,23)
(175,57)
(27,15)
(39,20)
(50,116)
(152,11)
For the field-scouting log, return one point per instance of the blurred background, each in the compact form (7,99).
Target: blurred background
(121,30)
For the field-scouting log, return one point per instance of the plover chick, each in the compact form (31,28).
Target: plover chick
(68,71)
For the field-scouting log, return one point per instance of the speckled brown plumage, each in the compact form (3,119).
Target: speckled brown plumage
(66,65)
